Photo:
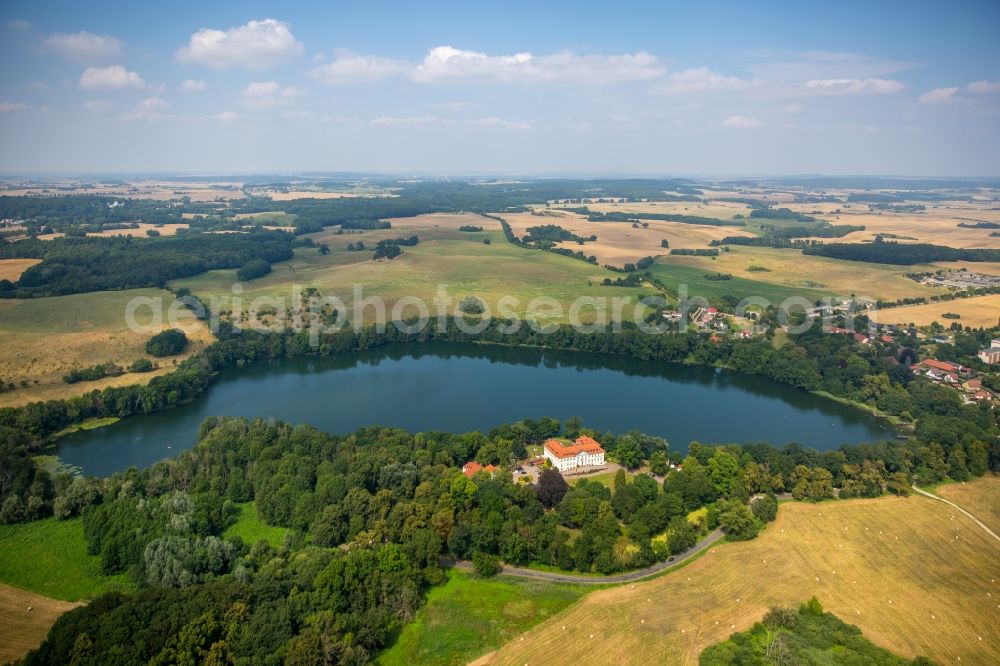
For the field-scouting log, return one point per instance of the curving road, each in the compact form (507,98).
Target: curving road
(639,574)
(952,504)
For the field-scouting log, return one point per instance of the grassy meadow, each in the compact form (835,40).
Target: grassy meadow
(791,272)
(915,580)
(49,557)
(43,338)
(467,616)
(444,256)
(251,529)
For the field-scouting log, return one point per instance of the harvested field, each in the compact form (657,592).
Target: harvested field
(916,577)
(619,242)
(981,498)
(977,311)
(11,269)
(22,629)
(164,230)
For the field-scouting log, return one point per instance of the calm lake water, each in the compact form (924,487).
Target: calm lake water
(458,388)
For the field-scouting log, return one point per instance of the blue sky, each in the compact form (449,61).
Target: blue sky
(627,88)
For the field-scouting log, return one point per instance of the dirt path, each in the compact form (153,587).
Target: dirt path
(952,504)
(711,538)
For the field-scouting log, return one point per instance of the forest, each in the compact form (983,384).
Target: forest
(890,252)
(76,265)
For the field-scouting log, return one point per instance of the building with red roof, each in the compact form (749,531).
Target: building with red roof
(472,467)
(584,452)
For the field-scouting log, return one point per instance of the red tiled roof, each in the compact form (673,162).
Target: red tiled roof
(470,468)
(940,365)
(582,444)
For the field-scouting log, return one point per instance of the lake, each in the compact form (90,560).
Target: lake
(458,388)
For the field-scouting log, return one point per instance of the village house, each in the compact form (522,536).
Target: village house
(470,469)
(584,452)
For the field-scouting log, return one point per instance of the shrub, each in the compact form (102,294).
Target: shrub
(168,343)
(765,508)
(485,565)
(141,365)
(253,269)
(471,305)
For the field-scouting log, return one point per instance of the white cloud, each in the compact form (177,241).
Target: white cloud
(458,106)
(192,85)
(411,120)
(268,95)
(741,121)
(869,86)
(983,87)
(448,64)
(39,85)
(702,79)
(488,121)
(83,46)
(226,116)
(98,105)
(353,68)
(115,77)
(791,109)
(938,95)
(13,106)
(493,121)
(254,45)
(826,65)
(151,104)
(18,24)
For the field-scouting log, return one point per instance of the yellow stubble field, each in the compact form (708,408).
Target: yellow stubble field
(914,574)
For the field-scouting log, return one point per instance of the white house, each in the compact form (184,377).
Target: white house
(584,452)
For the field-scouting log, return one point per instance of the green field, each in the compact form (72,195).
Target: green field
(50,557)
(459,261)
(270,218)
(251,529)
(673,275)
(467,617)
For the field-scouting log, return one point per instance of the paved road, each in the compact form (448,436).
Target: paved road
(952,504)
(601,580)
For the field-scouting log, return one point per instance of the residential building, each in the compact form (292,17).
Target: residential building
(472,467)
(991,355)
(584,452)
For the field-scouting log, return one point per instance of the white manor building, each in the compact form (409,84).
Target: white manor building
(585,452)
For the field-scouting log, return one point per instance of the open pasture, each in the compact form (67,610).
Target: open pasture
(976,312)
(43,338)
(913,574)
(458,260)
(792,271)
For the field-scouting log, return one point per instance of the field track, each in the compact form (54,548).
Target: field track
(914,574)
